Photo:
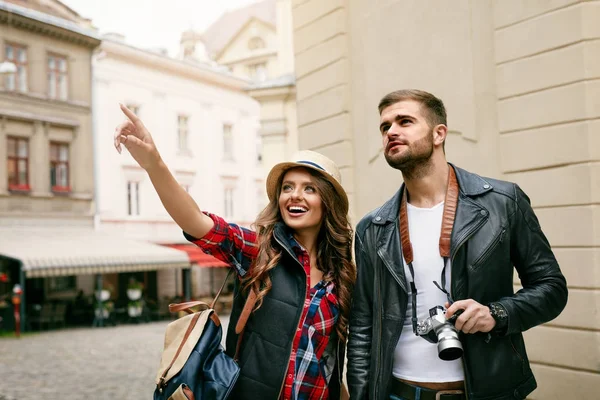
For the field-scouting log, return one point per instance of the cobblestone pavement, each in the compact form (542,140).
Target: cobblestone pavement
(74,364)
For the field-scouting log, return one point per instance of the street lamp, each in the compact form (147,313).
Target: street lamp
(7,67)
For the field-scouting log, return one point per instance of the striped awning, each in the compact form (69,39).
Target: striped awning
(199,257)
(45,252)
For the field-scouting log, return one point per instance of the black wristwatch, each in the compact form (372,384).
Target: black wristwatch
(500,315)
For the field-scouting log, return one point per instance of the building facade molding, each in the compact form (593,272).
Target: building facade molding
(183,68)
(46,25)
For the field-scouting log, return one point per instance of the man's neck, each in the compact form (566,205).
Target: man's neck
(428,189)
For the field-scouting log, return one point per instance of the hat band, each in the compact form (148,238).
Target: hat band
(311,163)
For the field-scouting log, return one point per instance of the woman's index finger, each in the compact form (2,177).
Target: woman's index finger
(129,114)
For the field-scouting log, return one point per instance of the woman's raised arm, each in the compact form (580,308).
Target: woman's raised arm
(179,204)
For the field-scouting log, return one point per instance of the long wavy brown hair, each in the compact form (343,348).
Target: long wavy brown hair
(334,249)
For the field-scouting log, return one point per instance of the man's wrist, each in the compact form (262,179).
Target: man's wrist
(500,315)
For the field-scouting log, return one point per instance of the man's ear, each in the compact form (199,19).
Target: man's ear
(439,134)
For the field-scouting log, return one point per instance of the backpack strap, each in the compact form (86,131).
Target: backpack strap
(240,327)
(189,330)
(187,306)
(241,324)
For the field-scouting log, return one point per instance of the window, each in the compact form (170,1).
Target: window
(227,141)
(17,55)
(182,133)
(135,109)
(133,198)
(18,163)
(57,77)
(256,43)
(260,197)
(257,72)
(259,156)
(62,284)
(59,167)
(228,202)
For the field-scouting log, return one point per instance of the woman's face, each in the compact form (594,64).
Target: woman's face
(299,203)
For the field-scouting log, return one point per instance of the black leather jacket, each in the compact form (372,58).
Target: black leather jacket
(494,229)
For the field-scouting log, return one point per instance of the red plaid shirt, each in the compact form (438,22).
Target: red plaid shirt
(305,378)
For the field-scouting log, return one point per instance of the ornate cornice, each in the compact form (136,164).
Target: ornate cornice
(182,68)
(42,102)
(46,25)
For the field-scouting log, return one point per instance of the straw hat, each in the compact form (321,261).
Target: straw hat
(312,160)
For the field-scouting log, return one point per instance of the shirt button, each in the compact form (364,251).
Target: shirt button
(290,376)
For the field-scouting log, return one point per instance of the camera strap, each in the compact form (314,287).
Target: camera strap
(450,203)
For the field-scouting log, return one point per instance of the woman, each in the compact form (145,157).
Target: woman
(298,262)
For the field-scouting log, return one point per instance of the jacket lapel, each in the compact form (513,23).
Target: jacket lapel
(389,250)
(389,247)
(470,216)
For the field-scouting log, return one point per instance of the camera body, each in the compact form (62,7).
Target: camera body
(438,329)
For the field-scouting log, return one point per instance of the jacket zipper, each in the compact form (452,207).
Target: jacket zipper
(518,354)
(490,248)
(340,373)
(298,322)
(377,368)
(389,267)
(464,239)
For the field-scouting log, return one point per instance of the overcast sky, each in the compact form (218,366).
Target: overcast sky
(153,23)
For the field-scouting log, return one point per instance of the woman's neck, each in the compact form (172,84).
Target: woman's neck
(308,241)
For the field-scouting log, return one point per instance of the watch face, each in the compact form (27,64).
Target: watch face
(498,311)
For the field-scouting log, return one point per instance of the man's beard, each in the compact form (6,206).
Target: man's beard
(415,161)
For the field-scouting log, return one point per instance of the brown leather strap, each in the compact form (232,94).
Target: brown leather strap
(241,324)
(188,393)
(450,204)
(246,311)
(407,250)
(240,327)
(187,306)
(185,338)
(212,305)
(449,213)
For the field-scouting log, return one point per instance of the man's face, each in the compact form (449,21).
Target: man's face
(406,134)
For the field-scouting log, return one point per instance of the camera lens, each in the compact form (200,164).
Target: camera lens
(450,353)
(449,346)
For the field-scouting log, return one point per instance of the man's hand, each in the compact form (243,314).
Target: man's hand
(475,317)
(133,134)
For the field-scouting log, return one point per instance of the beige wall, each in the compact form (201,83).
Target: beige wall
(277,93)
(278,126)
(520,82)
(34,116)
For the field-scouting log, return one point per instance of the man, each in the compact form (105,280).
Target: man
(447,238)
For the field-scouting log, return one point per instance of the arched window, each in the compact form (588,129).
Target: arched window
(256,43)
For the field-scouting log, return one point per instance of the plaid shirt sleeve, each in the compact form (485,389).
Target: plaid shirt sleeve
(229,243)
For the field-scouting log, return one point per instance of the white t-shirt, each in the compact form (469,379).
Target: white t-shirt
(415,358)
